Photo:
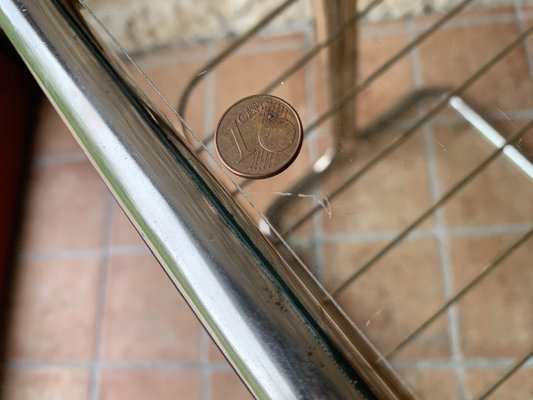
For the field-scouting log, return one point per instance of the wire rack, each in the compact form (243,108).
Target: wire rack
(333,175)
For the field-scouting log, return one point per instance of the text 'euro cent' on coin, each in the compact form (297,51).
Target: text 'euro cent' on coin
(259,136)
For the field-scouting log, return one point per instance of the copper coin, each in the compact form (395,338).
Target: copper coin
(259,136)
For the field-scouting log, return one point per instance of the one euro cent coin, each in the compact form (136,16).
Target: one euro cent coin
(259,136)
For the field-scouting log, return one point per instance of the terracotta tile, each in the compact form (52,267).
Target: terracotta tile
(173,55)
(431,384)
(123,232)
(53,138)
(269,41)
(45,383)
(145,317)
(66,208)
(387,197)
(227,385)
(495,316)
(369,28)
(475,14)
(385,91)
(247,74)
(486,199)
(51,298)
(447,60)
(394,296)
(150,384)
(170,79)
(375,49)
(214,352)
(518,387)
(487,10)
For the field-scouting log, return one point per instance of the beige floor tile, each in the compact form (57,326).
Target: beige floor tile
(487,199)
(378,97)
(247,74)
(476,14)
(518,387)
(46,383)
(150,384)
(392,298)
(507,86)
(53,138)
(123,232)
(268,42)
(145,317)
(428,384)
(54,310)
(386,198)
(495,316)
(66,208)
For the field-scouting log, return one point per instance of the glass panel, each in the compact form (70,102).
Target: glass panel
(419,220)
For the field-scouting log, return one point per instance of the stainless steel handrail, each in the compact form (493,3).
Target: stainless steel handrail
(273,324)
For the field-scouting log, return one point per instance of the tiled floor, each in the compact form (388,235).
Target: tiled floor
(95,318)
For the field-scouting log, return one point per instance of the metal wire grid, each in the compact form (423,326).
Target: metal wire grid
(400,140)
(430,114)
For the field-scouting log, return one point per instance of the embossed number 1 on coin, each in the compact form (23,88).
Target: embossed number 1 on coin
(259,136)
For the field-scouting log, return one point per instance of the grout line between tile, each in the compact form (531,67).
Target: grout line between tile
(364,237)
(373,30)
(310,101)
(454,329)
(440,231)
(94,382)
(145,61)
(209,115)
(289,45)
(55,255)
(356,237)
(122,365)
(465,21)
(83,254)
(500,363)
(60,159)
(488,231)
(204,361)
(467,363)
(466,231)
(159,60)
(520,18)
(128,250)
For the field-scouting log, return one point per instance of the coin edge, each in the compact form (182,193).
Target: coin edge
(288,163)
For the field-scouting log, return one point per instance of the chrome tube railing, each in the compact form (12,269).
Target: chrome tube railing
(277,332)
